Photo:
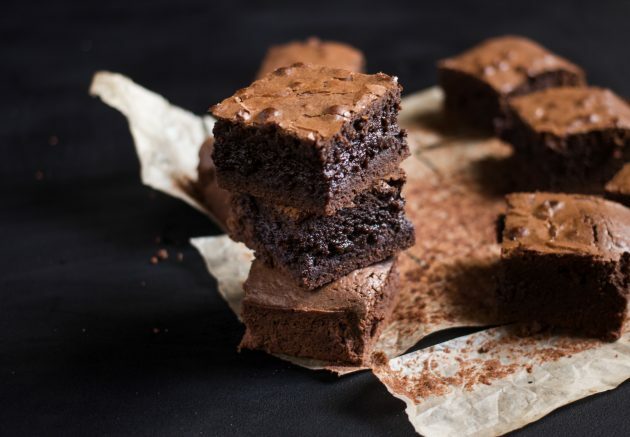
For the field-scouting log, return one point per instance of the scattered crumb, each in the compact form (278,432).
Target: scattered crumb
(39,175)
(156,330)
(162,254)
(53,140)
(180,256)
(154,260)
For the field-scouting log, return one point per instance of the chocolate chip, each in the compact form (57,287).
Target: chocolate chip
(517,232)
(547,209)
(340,110)
(243,114)
(268,114)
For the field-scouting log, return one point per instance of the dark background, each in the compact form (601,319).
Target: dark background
(94,340)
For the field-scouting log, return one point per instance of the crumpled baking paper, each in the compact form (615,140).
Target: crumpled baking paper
(496,381)
(454,194)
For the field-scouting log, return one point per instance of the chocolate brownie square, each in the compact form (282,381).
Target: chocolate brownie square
(618,188)
(570,138)
(309,137)
(566,262)
(478,82)
(314,249)
(313,51)
(337,323)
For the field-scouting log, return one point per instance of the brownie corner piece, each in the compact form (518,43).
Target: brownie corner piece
(338,323)
(315,249)
(565,262)
(309,137)
(313,51)
(576,138)
(477,83)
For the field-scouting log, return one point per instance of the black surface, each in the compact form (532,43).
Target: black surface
(94,340)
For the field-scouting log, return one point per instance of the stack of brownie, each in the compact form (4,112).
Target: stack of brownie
(311,156)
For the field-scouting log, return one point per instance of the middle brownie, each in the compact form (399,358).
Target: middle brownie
(309,137)
(314,249)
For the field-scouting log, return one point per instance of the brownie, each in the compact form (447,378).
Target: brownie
(570,138)
(478,82)
(309,137)
(314,249)
(565,262)
(215,199)
(337,323)
(618,188)
(313,51)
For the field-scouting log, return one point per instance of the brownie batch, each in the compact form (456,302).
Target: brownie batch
(565,257)
(310,156)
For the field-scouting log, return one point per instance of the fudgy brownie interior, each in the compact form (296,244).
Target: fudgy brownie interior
(314,249)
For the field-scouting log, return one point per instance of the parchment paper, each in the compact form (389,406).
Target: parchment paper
(495,381)
(484,384)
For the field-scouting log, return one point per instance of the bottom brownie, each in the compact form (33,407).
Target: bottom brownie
(566,262)
(337,323)
(315,250)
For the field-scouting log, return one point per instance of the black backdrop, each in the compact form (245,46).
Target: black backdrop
(94,340)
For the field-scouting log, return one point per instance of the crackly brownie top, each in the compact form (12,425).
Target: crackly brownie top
(620,183)
(310,102)
(572,110)
(313,51)
(357,291)
(507,62)
(566,224)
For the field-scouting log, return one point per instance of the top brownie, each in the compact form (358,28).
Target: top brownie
(309,137)
(478,81)
(313,51)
